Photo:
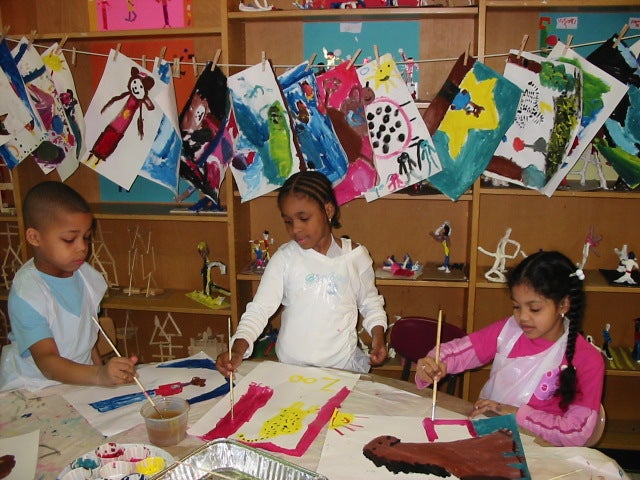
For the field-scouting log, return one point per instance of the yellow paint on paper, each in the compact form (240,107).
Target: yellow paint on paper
(286,422)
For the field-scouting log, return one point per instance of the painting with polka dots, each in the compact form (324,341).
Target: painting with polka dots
(278,407)
(468,118)
(404,152)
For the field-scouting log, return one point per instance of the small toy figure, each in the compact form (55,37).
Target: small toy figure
(442,235)
(408,73)
(630,265)
(622,256)
(260,248)
(406,268)
(331,57)
(497,272)
(590,242)
(208,286)
(590,157)
(636,341)
(606,340)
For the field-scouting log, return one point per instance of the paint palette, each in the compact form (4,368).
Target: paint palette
(119,461)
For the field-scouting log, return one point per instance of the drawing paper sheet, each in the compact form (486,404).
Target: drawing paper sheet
(24,450)
(14,116)
(122,120)
(265,153)
(139,14)
(546,122)
(60,73)
(297,395)
(602,93)
(26,140)
(403,149)
(151,377)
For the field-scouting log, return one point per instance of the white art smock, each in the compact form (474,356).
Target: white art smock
(321,295)
(513,380)
(74,336)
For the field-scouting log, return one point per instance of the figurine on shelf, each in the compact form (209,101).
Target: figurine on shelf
(406,268)
(258,6)
(443,235)
(260,248)
(622,256)
(630,264)
(590,243)
(636,341)
(497,272)
(591,157)
(208,285)
(606,340)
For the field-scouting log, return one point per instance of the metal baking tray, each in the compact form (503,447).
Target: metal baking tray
(227,459)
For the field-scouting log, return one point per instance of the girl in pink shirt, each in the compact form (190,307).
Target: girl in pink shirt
(543,370)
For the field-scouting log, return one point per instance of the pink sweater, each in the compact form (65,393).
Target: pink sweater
(542,414)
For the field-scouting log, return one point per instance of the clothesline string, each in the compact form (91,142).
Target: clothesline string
(315,65)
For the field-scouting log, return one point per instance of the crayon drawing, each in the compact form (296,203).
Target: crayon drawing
(206,145)
(546,122)
(122,120)
(601,94)
(468,118)
(58,70)
(109,15)
(403,149)
(318,141)
(278,407)
(620,142)
(341,96)
(265,153)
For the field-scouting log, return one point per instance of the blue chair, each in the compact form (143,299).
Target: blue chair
(413,337)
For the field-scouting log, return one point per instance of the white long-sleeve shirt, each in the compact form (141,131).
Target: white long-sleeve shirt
(321,295)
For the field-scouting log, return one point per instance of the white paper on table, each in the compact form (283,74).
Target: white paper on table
(24,449)
(151,376)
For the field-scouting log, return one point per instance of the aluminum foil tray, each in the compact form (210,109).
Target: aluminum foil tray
(232,460)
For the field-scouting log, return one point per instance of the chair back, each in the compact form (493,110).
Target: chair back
(413,337)
(599,428)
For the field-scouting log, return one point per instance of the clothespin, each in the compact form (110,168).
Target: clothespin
(620,35)
(163,50)
(216,58)
(61,44)
(5,31)
(195,66)
(312,59)
(118,47)
(522,45)
(354,58)
(264,60)
(567,45)
(176,68)
(377,54)
(74,56)
(143,61)
(32,37)
(467,53)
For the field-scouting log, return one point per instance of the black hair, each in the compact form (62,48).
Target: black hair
(314,185)
(552,275)
(46,198)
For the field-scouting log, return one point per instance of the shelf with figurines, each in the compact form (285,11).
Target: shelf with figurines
(260,255)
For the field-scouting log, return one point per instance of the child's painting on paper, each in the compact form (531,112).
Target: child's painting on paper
(140,14)
(467,119)
(546,122)
(122,120)
(321,149)
(265,153)
(278,407)
(403,149)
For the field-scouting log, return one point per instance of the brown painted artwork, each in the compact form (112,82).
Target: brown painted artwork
(489,457)
(7,464)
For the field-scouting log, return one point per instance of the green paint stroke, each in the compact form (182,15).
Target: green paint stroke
(592,91)
(554,76)
(566,109)
(625,164)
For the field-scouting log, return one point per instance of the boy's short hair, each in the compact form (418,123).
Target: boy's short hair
(43,201)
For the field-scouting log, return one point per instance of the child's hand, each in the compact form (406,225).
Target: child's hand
(226,365)
(378,353)
(491,408)
(428,370)
(118,371)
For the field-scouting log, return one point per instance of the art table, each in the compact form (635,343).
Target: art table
(65,434)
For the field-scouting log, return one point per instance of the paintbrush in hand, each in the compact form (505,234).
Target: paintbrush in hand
(435,381)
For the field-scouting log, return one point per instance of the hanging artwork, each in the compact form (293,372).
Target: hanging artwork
(546,122)
(265,153)
(620,142)
(321,149)
(468,118)
(114,410)
(58,150)
(105,15)
(26,140)
(601,94)
(206,144)
(161,165)
(122,120)
(403,149)
(60,73)
(278,407)
(14,116)
(341,95)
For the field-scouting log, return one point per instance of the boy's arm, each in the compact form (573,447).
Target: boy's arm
(53,366)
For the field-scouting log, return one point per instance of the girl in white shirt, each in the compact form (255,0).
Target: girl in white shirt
(322,283)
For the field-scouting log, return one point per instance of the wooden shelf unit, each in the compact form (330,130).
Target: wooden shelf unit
(393,225)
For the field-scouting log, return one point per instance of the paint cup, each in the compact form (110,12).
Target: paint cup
(169,428)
